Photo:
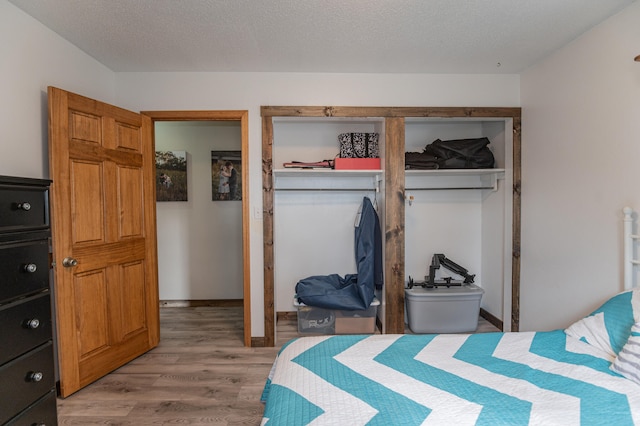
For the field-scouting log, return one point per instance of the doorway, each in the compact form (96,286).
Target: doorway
(240,117)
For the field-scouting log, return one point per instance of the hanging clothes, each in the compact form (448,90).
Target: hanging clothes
(354,291)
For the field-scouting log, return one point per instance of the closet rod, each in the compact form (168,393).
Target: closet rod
(449,188)
(329,189)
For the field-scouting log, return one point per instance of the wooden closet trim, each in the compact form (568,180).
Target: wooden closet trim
(394,197)
(325,111)
(394,226)
(267,230)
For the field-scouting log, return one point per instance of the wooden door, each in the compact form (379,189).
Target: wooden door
(104,236)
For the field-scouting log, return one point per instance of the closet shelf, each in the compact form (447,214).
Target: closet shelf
(324,172)
(442,179)
(455,172)
(326,180)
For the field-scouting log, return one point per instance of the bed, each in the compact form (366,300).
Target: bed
(586,374)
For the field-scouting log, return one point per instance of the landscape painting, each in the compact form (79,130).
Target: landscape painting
(171,176)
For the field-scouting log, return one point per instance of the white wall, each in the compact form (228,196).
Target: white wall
(580,152)
(248,91)
(200,240)
(32,58)
(580,139)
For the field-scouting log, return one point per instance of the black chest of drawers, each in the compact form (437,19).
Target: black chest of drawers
(27,373)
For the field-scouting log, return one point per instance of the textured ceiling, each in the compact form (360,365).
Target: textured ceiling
(381,36)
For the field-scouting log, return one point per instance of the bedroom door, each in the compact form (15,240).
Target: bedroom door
(101,162)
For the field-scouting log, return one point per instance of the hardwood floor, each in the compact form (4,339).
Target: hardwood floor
(200,374)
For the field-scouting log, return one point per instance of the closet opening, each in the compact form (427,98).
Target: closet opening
(202,209)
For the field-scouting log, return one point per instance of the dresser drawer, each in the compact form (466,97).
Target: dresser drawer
(24,380)
(43,412)
(26,324)
(23,207)
(24,268)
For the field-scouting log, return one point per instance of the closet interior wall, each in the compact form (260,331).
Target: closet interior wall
(314,211)
(450,213)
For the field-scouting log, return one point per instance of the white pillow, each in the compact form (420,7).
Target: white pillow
(627,362)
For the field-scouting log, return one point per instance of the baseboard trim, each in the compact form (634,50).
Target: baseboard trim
(291,315)
(378,324)
(257,342)
(497,322)
(221,303)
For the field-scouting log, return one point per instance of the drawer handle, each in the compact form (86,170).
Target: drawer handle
(30,267)
(32,323)
(35,376)
(24,206)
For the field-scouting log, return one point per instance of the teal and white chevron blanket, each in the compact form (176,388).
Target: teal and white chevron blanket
(543,378)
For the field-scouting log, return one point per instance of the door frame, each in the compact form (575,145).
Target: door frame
(228,115)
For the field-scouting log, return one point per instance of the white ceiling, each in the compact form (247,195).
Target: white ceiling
(381,36)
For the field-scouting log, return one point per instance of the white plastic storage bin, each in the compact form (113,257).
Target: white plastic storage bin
(314,320)
(452,309)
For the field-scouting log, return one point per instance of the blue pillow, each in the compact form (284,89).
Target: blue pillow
(608,328)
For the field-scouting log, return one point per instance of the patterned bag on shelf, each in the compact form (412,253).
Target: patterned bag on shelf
(359,145)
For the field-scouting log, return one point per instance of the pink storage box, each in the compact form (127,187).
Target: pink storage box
(357,164)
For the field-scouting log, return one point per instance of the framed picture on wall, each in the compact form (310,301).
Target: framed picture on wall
(226,172)
(171,176)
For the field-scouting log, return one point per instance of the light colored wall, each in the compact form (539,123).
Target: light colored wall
(580,151)
(200,240)
(580,139)
(248,91)
(32,58)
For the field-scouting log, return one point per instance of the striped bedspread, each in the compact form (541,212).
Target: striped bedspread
(543,378)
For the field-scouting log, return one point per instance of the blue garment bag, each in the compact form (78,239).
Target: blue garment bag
(353,291)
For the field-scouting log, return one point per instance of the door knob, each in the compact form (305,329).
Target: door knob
(68,262)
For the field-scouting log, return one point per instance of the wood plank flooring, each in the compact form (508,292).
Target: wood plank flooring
(200,374)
